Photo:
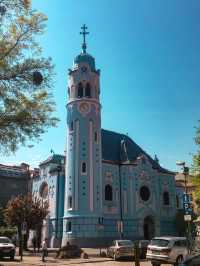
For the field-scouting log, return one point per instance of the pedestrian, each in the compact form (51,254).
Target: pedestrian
(44,249)
(34,241)
(38,240)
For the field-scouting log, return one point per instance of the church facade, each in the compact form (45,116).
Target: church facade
(106,187)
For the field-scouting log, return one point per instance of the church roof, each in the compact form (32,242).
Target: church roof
(119,148)
(55,158)
(85,58)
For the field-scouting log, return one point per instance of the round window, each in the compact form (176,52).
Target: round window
(144,193)
(44,190)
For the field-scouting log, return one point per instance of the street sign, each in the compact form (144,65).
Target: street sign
(187,204)
(187,218)
(186,198)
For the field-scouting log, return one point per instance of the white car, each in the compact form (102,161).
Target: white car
(167,250)
(7,249)
(121,248)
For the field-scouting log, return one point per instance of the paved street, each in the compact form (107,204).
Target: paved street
(36,261)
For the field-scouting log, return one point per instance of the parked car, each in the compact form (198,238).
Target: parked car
(191,261)
(121,248)
(143,244)
(167,250)
(7,248)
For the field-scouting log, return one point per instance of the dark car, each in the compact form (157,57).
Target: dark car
(191,261)
(7,249)
(143,244)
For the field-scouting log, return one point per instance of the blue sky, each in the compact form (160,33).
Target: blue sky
(149,56)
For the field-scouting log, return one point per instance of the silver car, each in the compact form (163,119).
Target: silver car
(7,249)
(121,248)
(167,250)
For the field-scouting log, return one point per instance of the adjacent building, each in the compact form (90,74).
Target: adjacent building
(15,180)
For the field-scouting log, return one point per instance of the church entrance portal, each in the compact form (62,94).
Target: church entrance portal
(148,227)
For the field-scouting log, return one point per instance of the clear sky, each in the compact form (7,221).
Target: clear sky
(149,56)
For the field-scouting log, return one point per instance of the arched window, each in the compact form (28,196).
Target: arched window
(108,193)
(69,226)
(69,202)
(84,168)
(80,90)
(87,90)
(71,126)
(95,137)
(166,198)
(44,190)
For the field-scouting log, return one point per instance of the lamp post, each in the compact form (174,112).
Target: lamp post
(59,169)
(186,202)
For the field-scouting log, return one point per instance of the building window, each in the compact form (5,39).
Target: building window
(44,190)
(71,126)
(69,226)
(83,168)
(108,193)
(144,193)
(69,202)
(100,220)
(87,90)
(166,198)
(95,137)
(80,90)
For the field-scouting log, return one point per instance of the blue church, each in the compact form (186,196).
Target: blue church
(106,187)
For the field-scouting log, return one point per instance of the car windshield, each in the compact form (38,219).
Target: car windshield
(125,243)
(4,240)
(159,242)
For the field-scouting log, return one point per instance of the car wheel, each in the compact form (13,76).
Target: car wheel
(12,257)
(155,264)
(178,260)
(108,253)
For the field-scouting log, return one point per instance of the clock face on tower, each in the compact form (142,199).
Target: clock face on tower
(84,108)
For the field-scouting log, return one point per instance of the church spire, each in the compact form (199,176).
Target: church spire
(84,33)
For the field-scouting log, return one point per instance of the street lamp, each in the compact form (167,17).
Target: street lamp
(185,172)
(186,201)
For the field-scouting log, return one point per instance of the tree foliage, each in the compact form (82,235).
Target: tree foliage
(25,208)
(196,169)
(2,219)
(26,78)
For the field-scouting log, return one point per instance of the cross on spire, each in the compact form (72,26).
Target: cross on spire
(84,33)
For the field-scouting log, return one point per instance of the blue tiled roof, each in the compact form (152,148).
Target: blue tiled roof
(55,158)
(119,148)
(85,58)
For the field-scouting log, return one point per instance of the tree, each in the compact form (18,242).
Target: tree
(196,170)
(26,209)
(26,78)
(2,220)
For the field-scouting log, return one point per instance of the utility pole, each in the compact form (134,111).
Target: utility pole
(186,205)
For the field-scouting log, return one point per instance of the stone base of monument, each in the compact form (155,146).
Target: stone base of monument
(69,251)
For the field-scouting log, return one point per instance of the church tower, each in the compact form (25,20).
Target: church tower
(83,188)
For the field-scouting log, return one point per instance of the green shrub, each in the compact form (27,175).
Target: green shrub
(8,231)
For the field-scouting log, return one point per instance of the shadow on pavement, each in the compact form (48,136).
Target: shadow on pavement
(89,261)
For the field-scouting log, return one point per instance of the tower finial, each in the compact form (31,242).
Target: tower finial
(84,33)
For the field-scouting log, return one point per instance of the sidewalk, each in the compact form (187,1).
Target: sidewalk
(36,261)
